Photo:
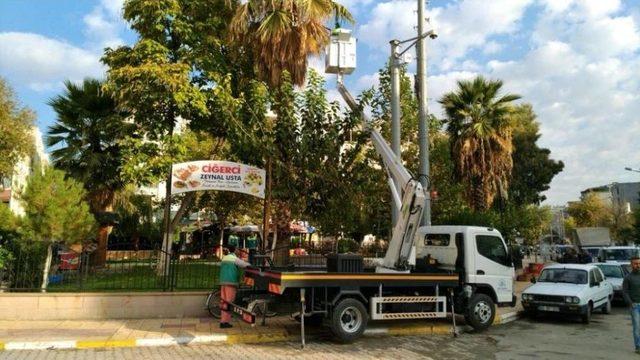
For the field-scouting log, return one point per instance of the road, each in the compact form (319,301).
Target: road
(607,337)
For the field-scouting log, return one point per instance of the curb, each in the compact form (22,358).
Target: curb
(224,339)
(507,318)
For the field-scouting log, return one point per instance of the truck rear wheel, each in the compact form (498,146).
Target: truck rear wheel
(480,313)
(348,320)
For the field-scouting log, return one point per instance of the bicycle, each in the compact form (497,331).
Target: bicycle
(254,303)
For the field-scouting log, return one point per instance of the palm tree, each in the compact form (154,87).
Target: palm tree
(479,127)
(280,35)
(85,141)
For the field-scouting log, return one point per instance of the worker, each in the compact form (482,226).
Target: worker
(229,276)
(631,294)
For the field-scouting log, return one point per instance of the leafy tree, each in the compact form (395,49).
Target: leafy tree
(55,211)
(590,211)
(15,131)
(86,146)
(636,225)
(533,169)
(169,72)
(280,36)
(479,127)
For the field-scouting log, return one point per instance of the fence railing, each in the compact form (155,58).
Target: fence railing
(123,270)
(134,270)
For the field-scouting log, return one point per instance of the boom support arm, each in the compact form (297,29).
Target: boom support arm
(410,207)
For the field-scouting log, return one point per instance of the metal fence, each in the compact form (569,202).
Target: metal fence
(123,270)
(129,269)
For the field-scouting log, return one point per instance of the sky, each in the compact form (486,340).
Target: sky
(576,61)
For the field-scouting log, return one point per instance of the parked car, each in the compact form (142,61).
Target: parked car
(593,251)
(569,289)
(619,254)
(614,273)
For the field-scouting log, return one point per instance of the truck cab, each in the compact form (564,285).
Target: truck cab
(479,254)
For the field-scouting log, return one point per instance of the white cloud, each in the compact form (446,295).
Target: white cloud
(461,26)
(491,47)
(104,24)
(583,78)
(42,63)
(367,81)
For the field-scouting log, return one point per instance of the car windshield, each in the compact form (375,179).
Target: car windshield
(620,254)
(593,252)
(611,271)
(570,276)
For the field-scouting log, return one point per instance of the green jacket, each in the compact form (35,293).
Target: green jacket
(229,272)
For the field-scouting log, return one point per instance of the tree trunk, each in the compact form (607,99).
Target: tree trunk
(100,255)
(47,265)
(267,208)
(167,240)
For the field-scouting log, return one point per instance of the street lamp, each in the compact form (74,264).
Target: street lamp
(399,58)
(632,169)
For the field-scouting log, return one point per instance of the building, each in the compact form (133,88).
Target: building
(624,196)
(37,161)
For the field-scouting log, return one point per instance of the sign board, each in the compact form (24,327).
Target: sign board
(217,175)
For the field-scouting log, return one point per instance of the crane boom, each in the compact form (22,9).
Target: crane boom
(410,203)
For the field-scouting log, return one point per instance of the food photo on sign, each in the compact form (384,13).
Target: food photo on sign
(217,175)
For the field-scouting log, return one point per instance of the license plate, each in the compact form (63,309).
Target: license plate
(549,308)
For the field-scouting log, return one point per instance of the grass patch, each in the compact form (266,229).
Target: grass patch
(140,276)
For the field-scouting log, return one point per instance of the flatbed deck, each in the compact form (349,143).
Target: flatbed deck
(278,281)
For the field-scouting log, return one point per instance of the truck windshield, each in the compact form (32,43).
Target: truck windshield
(570,276)
(620,254)
(611,271)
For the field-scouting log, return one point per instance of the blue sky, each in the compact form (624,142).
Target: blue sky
(576,61)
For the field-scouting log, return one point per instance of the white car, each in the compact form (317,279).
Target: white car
(614,273)
(570,289)
(618,254)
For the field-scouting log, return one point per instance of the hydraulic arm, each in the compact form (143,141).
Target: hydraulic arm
(410,203)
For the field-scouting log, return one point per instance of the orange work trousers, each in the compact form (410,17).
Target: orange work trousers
(228,294)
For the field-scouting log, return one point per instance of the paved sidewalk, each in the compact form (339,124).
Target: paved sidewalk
(163,332)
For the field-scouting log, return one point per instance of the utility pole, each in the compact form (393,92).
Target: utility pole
(423,127)
(395,117)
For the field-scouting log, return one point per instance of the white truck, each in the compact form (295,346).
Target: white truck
(426,272)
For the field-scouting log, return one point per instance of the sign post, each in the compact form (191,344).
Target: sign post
(217,175)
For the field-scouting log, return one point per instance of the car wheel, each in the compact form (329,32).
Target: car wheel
(481,312)
(606,309)
(586,317)
(348,320)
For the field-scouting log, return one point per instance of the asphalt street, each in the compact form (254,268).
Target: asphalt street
(607,337)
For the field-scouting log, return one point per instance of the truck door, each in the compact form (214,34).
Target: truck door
(493,265)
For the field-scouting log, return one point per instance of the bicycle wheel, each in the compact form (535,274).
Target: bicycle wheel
(213,303)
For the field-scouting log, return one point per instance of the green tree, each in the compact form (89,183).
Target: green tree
(55,211)
(280,35)
(533,169)
(479,126)
(167,75)
(15,131)
(590,211)
(86,146)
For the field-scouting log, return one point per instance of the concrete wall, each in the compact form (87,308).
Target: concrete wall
(77,306)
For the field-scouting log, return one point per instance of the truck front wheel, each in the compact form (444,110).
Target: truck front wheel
(481,311)
(348,320)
